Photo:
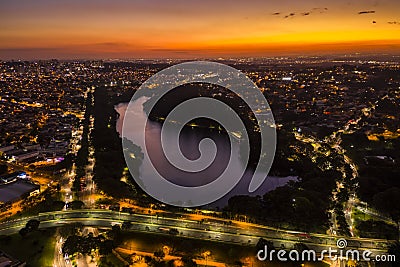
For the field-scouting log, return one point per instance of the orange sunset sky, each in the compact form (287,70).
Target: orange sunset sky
(71,29)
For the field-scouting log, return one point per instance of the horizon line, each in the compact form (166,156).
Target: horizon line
(233,57)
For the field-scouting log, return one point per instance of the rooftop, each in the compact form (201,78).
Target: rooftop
(13,191)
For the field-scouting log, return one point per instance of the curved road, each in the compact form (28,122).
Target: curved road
(248,234)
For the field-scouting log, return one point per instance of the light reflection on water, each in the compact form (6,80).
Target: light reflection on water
(189,141)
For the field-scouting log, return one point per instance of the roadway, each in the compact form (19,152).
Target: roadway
(247,234)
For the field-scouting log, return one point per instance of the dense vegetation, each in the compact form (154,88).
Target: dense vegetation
(378,160)
(83,153)
(301,204)
(110,162)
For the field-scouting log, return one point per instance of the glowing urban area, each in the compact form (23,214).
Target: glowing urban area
(329,70)
(67,197)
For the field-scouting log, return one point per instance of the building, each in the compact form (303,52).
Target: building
(15,186)
(12,177)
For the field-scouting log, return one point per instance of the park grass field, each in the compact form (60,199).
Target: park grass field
(36,249)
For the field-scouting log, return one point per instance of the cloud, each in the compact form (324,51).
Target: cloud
(290,15)
(305,13)
(366,12)
(319,9)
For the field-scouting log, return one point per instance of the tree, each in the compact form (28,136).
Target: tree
(246,205)
(76,204)
(394,249)
(70,229)
(147,259)
(188,262)
(389,202)
(24,232)
(106,247)
(262,243)
(173,231)
(115,234)
(72,244)
(126,225)
(32,225)
(159,254)
(300,247)
(377,229)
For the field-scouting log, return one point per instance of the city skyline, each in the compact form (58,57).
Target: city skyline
(156,29)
